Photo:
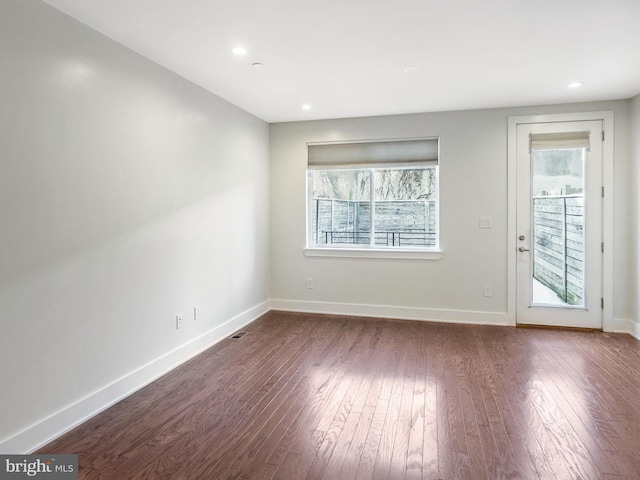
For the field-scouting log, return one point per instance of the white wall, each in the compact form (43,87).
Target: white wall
(473,183)
(127,195)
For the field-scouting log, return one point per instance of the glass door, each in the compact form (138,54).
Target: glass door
(559,260)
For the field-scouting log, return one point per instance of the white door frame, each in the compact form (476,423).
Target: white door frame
(607,206)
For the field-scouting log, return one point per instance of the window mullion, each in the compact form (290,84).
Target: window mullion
(372,208)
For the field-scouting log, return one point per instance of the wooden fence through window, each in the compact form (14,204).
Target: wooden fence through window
(558,245)
(397,223)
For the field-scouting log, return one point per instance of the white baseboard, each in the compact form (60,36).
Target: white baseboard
(61,422)
(628,326)
(621,325)
(401,313)
(634,329)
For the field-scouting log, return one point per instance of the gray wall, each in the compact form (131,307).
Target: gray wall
(473,183)
(634,216)
(127,195)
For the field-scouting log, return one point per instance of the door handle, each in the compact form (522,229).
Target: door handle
(522,249)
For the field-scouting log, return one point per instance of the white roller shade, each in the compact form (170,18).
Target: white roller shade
(559,141)
(373,154)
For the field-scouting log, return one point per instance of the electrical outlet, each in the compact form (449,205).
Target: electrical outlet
(196,312)
(310,283)
(488,291)
(179,321)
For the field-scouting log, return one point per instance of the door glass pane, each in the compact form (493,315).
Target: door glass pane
(341,205)
(557,227)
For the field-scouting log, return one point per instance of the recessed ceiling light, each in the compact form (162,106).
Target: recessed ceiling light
(257,65)
(575,85)
(239,51)
(306,106)
(409,69)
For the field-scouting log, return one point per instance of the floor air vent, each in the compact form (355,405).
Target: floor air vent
(238,335)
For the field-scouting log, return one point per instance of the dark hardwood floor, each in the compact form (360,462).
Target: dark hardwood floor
(316,397)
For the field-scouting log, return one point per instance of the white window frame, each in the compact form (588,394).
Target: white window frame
(371,251)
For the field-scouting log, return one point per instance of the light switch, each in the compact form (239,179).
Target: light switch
(485,222)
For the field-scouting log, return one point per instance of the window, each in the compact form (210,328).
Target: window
(379,195)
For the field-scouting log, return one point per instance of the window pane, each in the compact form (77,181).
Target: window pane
(405,207)
(340,206)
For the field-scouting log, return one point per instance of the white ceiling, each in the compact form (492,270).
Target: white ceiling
(345,58)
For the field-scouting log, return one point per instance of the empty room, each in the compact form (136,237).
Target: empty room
(319,240)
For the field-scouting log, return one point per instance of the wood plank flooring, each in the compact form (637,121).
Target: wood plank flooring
(328,397)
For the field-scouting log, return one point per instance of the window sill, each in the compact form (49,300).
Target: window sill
(374,253)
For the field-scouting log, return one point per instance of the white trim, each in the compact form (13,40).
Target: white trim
(393,312)
(608,324)
(628,326)
(634,329)
(373,253)
(64,420)
(622,325)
